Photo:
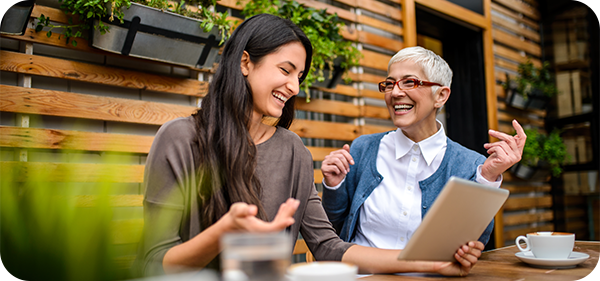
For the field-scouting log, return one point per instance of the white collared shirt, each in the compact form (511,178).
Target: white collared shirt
(392,213)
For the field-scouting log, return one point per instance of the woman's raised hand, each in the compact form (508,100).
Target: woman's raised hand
(503,153)
(336,165)
(242,217)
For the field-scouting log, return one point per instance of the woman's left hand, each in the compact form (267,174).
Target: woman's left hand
(242,217)
(466,256)
(503,153)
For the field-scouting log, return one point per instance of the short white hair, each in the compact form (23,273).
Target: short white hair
(436,68)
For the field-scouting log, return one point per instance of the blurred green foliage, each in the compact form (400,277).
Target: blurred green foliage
(549,149)
(46,235)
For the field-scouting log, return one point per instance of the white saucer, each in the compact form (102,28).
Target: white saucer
(574,259)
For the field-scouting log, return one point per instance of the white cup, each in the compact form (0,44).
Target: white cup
(548,245)
(256,256)
(322,271)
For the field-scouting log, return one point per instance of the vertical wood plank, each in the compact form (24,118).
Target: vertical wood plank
(409,22)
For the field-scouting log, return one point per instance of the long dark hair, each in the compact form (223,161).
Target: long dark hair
(227,151)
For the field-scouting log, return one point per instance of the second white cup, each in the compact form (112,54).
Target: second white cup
(548,245)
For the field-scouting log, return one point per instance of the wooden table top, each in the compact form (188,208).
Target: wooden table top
(502,264)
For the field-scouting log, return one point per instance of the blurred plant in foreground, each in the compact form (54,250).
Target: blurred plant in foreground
(46,234)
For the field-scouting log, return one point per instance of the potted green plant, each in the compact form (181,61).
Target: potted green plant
(533,89)
(332,55)
(542,155)
(150,29)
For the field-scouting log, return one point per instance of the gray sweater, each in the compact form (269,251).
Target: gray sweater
(171,208)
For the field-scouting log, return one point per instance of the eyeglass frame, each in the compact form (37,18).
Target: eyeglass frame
(418,83)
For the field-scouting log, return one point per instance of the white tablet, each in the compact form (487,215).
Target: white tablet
(460,214)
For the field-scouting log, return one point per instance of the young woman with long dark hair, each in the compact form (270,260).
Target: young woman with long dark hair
(224,170)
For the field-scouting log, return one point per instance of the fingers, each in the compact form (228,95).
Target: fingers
(242,209)
(521,136)
(346,147)
(336,165)
(287,209)
(285,215)
(467,255)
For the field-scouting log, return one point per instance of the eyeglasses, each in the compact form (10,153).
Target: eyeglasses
(404,84)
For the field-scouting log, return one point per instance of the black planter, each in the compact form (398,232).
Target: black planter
(535,100)
(16,18)
(158,35)
(541,172)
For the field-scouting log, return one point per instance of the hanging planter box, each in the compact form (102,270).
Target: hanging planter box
(14,21)
(158,35)
(540,172)
(535,100)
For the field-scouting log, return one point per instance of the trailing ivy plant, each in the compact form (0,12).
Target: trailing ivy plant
(321,28)
(89,10)
(549,149)
(532,78)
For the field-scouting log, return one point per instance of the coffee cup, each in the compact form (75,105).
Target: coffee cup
(322,271)
(548,245)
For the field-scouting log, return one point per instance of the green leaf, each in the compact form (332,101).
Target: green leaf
(74,43)
(39,28)
(49,34)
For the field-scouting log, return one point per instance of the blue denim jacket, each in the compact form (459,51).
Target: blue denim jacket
(342,205)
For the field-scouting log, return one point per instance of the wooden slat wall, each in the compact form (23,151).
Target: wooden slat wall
(516,33)
(66,99)
(60,100)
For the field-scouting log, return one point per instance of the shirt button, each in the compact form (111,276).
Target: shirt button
(405,213)
(402,239)
(409,188)
(416,148)
(414,159)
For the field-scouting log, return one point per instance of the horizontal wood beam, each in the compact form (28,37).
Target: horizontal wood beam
(514,55)
(380,8)
(99,74)
(516,28)
(511,235)
(520,7)
(516,16)
(325,130)
(319,153)
(526,188)
(65,104)
(516,42)
(340,89)
(375,60)
(379,41)
(527,218)
(372,129)
(19,137)
(525,203)
(73,140)
(385,26)
(375,112)
(328,107)
(72,172)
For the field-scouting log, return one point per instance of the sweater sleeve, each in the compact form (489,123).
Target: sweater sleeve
(165,182)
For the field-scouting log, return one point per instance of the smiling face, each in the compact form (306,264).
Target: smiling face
(414,110)
(275,78)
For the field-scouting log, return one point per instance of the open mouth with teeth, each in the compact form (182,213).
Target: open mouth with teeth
(280,97)
(403,107)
